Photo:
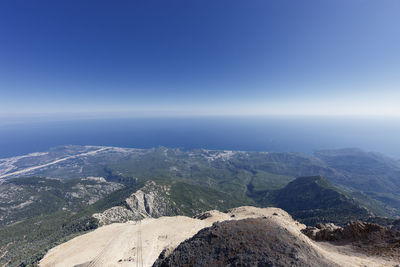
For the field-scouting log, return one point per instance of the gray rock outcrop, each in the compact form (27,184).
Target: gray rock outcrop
(151,201)
(369,238)
(353,231)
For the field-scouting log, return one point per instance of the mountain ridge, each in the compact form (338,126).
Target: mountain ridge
(198,180)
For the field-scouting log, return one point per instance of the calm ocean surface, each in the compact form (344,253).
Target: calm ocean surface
(256,134)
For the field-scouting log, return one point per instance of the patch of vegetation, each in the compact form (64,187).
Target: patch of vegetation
(193,199)
(315,199)
(27,197)
(374,174)
(263,181)
(28,241)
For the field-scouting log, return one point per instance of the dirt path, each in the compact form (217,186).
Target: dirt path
(124,244)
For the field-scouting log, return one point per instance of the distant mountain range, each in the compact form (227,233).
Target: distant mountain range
(55,195)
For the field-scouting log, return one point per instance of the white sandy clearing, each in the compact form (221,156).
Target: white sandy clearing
(140,243)
(7,164)
(53,162)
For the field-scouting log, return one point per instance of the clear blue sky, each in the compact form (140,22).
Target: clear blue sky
(339,57)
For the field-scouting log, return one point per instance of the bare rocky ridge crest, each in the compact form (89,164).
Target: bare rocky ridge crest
(263,236)
(369,238)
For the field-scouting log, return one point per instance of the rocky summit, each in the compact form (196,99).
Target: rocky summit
(248,242)
(246,235)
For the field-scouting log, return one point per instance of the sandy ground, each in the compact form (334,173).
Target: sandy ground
(117,244)
(53,162)
(140,243)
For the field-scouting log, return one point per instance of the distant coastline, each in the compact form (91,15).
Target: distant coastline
(278,134)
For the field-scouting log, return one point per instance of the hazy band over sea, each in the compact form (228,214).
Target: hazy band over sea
(279,134)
